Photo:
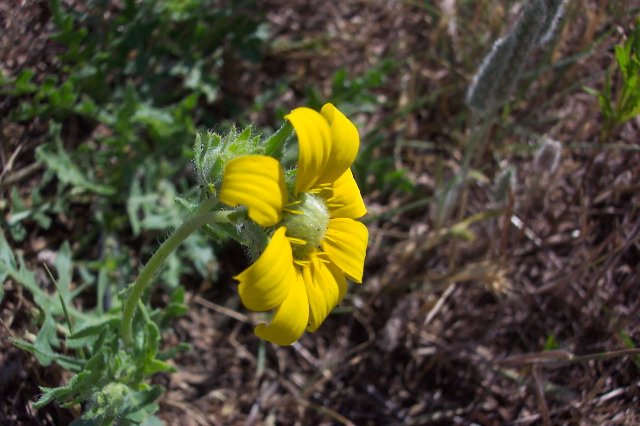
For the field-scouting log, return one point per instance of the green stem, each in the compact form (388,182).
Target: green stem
(199,218)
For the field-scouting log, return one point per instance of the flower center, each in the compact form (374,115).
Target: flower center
(306,220)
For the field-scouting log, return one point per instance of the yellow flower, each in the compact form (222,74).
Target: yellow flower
(317,243)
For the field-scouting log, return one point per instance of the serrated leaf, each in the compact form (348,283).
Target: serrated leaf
(51,394)
(87,381)
(157,366)
(152,341)
(20,274)
(49,303)
(88,336)
(59,162)
(65,361)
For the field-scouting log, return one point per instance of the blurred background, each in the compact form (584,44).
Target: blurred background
(501,282)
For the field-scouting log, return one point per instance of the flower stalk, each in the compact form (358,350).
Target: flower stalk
(198,219)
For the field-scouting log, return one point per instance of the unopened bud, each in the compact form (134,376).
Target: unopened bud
(213,151)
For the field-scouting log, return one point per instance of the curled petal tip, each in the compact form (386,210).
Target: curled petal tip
(256,182)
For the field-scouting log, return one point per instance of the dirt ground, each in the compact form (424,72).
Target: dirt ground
(443,330)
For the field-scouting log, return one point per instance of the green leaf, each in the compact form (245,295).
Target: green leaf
(159,121)
(88,335)
(23,84)
(19,273)
(156,366)
(46,340)
(50,304)
(622,57)
(58,161)
(152,341)
(51,394)
(65,361)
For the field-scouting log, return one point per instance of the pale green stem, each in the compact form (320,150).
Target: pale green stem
(198,219)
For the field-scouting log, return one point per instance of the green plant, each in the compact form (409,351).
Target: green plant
(109,378)
(122,109)
(244,194)
(620,107)
(130,79)
(133,82)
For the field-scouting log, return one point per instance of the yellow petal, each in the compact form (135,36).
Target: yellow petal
(346,200)
(256,182)
(341,280)
(265,284)
(345,242)
(326,286)
(290,319)
(345,142)
(314,146)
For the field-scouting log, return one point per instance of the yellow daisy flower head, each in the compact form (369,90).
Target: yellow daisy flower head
(317,243)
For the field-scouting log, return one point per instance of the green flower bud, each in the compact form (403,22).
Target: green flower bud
(213,151)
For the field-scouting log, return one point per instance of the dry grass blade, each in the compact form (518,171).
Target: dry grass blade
(543,407)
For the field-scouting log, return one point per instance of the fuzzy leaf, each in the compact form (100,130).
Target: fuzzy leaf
(58,161)
(65,361)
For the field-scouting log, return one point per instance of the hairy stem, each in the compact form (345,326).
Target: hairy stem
(199,218)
